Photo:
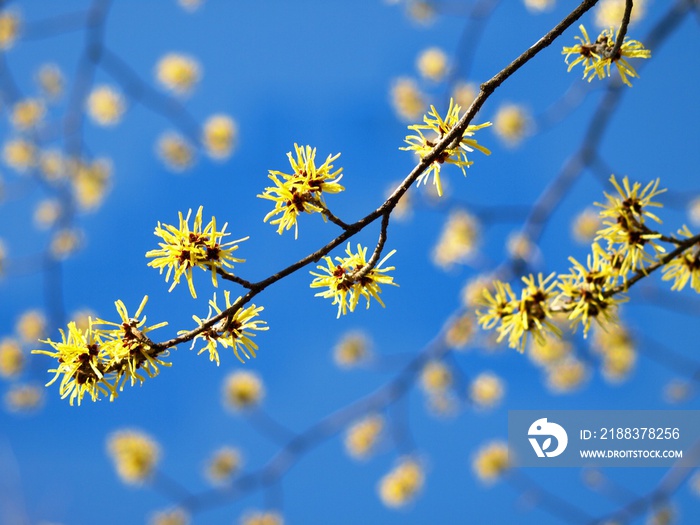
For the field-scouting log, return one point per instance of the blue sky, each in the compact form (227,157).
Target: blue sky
(319,73)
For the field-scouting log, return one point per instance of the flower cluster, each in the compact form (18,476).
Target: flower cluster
(347,282)
(135,455)
(184,249)
(516,318)
(302,190)
(232,331)
(362,437)
(436,128)
(100,359)
(597,57)
(401,485)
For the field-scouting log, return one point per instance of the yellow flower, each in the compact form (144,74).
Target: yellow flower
(519,246)
(343,283)
(52,165)
(190,5)
(616,348)
(352,349)
(662,515)
(362,437)
(50,81)
(539,5)
(566,375)
(233,331)
(90,182)
(549,351)
(437,128)
(432,64)
(597,57)
(402,483)
(464,93)
(19,154)
(135,455)
(220,132)
(585,226)
(694,211)
(23,398)
(460,331)
(31,326)
(491,461)
(458,241)
(407,99)
(678,391)
(178,73)
(47,213)
(105,105)
(170,517)
(302,190)
(421,11)
(11,358)
(436,377)
(27,114)
(65,242)
(609,13)
(243,390)
(82,318)
(9,29)
(486,391)
(473,290)
(511,123)
(262,518)
(225,463)
(175,151)
(183,250)
(685,268)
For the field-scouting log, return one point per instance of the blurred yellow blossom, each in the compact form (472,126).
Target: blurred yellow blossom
(677,391)
(65,242)
(224,464)
(31,326)
(135,455)
(175,151)
(548,351)
(404,207)
(52,164)
(23,398)
(464,93)
(47,213)
(170,517)
(11,358)
(50,81)
(190,5)
(421,11)
(566,375)
(662,515)
(432,64)
(512,123)
(491,461)
(694,211)
(586,225)
(352,349)
(537,6)
(19,154)
(9,29)
(407,99)
(460,330)
(616,348)
(458,240)
(362,437)
(262,518)
(243,390)
(105,105)
(27,114)
(81,318)
(178,73)
(519,246)
(91,181)
(220,134)
(402,483)
(473,290)
(436,377)
(486,390)
(608,13)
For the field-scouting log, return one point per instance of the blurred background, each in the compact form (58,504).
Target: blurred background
(107,129)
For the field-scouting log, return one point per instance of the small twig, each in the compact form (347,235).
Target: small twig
(615,52)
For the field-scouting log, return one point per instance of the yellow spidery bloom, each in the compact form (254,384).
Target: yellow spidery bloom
(170,517)
(458,240)
(11,358)
(566,375)
(219,136)
(626,233)
(184,249)
(175,151)
(224,464)
(344,287)
(352,350)
(23,398)
(511,123)
(491,461)
(402,483)
(596,56)
(262,518)
(302,190)
(19,154)
(27,114)
(178,73)
(233,331)
(432,64)
(98,361)
(105,105)
(685,268)
(135,455)
(243,390)
(500,305)
(487,390)
(50,81)
(31,326)
(9,29)
(407,99)
(437,128)
(538,6)
(609,13)
(362,437)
